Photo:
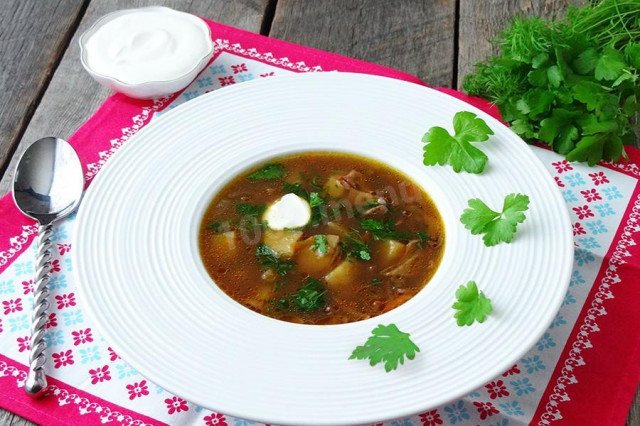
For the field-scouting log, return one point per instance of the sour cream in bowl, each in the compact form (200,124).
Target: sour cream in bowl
(147,52)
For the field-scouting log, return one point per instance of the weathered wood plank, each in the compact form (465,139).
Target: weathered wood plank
(415,36)
(19,421)
(73,96)
(7,417)
(634,414)
(480,21)
(33,36)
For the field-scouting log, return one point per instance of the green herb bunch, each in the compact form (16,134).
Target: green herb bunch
(570,82)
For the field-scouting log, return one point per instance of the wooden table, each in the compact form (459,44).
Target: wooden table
(45,90)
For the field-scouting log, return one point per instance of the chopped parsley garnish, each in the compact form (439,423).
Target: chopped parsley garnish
(308,298)
(386,344)
(216,227)
(471,305)
(423,238)
(295,188)
(443,148)
(250,209)
(320,244)
(268,259)
(496,226)
(353,247)
(319,206)
(250,213)
(376,281)
(383,230)
(269,172)
(315,199)
(319,209)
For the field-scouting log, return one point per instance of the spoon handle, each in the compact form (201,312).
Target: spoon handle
(36,381)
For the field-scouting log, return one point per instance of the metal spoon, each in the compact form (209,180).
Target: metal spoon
(47,186)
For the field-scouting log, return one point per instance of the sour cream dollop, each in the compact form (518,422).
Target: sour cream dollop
(290,211)
(149,44)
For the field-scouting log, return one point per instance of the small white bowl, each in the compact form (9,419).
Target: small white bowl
(147,89)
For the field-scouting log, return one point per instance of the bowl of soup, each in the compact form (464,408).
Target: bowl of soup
(321,238)
(239,249)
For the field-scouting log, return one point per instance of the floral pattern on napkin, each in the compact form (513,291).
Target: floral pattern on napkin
(596,198)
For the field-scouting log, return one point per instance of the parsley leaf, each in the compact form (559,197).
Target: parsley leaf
(320,244)
(250,213)
(296,188)
(386,344)
(269,172)
(353,247)
(610,65)
(250,209)
(586,61)
(443,148)
(308,298)
(633,53)
(319,206)
(560,130)
(383,230)
(471,305)
(319,209)
(496,226)
(268,259)
(315,199)
(217,227)
(423,237)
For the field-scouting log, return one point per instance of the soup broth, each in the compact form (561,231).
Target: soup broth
(321,238)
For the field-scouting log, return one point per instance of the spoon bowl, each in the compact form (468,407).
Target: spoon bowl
(47,186)
(48,182)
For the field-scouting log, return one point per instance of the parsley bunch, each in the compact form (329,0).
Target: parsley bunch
(569,82)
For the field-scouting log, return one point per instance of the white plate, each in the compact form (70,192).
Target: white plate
(141,278)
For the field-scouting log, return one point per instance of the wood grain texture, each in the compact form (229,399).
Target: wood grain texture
(415,36)
(9,419)
(481,20)
(634,414)
(73,96)
(33,36)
